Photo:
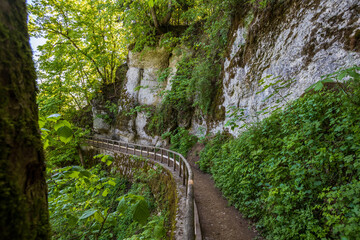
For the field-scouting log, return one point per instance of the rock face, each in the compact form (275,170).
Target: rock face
(292,40)
(140,87)
(299,40)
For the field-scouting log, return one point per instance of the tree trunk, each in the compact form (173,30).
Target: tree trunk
(23,189)
(155,20)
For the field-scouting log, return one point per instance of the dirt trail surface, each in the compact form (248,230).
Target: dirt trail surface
(218,220)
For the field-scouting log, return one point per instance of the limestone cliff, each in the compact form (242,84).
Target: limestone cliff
(298,40)
(139,88)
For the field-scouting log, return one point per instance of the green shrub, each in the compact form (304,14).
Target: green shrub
(181,140)
(212,150)
(92,204)
(61,141)
(297,172)
(202,80)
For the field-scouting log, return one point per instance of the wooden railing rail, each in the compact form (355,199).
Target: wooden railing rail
(171,158)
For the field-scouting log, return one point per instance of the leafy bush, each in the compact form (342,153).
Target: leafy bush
(180,94)
(203,76)
(181,140)
(212,150)
(91,204)
(61,141)
(297,172)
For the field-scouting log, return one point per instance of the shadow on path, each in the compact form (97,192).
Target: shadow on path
(218,220)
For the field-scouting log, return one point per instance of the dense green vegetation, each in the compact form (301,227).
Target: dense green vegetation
(94,204)
(98,203)
(296,173)
(86,43)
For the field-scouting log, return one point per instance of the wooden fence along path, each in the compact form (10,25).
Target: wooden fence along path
(173,160)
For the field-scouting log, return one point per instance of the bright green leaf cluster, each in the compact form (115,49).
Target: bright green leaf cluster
(90,204)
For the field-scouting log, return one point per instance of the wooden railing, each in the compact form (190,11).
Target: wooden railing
(172,159)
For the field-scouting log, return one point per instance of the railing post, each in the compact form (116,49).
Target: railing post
(180,161)
(147,150)
(174,161)
(162,156)
(187,181)
(127,147)
(168,158)
(184,173)
(134,149)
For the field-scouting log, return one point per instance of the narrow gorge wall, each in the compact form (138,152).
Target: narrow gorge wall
(299,40)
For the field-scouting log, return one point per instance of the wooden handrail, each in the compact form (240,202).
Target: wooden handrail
(185,171)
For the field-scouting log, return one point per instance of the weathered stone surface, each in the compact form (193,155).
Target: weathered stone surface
(310,40)
(149,58)
(150,87)
(99,124)
(133,77)
(300,40)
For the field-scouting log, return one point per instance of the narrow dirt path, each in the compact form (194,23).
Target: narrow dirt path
(218,220)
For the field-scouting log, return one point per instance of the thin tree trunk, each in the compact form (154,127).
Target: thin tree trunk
(23,190)
(155,20)
(81,156)
(167,17)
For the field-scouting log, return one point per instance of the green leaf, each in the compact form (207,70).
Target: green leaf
(122,206)
(105,192)
(87,214)
(141,212)
(46,144)
(41,123)
(98,156)
(159,231)
(151,3)
(72,220)
(85,173)
(65,134)
(111,182)
(98,217)
(74,174)
(62,123)
(76,168)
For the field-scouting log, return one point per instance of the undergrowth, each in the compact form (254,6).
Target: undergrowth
(94,204)
(181,140)
(297,172)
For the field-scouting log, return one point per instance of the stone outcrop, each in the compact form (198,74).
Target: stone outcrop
(140,87)
(298,40)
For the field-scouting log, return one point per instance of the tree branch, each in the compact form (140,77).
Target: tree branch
(155,20)
(167,17)
(80,50)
